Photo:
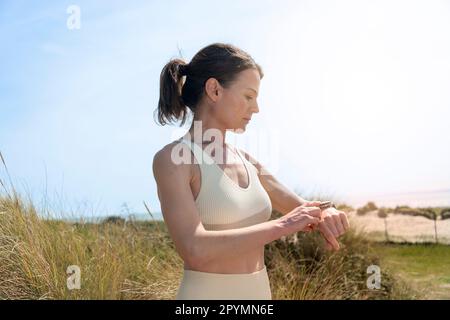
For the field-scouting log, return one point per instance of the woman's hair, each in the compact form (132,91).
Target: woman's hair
(218,60)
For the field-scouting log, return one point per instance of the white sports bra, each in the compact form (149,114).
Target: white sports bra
(221,202)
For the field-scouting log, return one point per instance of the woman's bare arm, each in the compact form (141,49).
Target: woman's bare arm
(197,245)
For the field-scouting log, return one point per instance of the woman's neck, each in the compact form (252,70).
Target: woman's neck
(197,134)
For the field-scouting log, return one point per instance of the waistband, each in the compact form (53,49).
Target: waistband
(225,275)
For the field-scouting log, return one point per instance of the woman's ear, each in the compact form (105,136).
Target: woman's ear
(212,88)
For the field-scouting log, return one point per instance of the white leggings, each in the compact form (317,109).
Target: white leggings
(198,285)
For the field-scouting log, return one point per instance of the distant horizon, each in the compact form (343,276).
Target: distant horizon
(442,201)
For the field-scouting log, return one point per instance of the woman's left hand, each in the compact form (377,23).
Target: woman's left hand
(333,224)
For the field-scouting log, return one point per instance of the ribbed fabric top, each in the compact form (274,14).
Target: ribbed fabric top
(221,202)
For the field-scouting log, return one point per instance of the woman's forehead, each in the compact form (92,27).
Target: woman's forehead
(248,79)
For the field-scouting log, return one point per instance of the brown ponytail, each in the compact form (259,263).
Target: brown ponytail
(220,61)
(171,106)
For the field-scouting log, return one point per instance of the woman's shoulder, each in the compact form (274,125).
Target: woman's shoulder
(165,160)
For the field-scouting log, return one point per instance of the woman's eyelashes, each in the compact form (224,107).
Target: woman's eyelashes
(249,98)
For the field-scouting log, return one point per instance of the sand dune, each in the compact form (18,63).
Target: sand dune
(401,227)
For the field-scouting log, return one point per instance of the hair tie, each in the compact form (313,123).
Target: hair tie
(182,69)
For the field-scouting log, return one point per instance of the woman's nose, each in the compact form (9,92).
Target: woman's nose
(256,108)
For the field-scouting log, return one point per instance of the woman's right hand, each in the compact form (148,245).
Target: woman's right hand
(303,218)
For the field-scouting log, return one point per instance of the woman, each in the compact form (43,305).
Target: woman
(217,200)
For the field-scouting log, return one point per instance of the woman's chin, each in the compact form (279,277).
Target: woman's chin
(238,130)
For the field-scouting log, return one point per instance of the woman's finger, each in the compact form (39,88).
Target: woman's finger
(338,224)
(312,203)
(313,211)
(312,220)
(328,235)
(344,220)
(329,221)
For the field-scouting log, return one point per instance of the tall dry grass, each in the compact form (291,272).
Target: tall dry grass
(117,261)
(300,268)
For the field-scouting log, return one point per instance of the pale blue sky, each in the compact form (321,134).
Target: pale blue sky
(355,95)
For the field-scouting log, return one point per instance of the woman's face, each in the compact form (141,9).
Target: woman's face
(237,103)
